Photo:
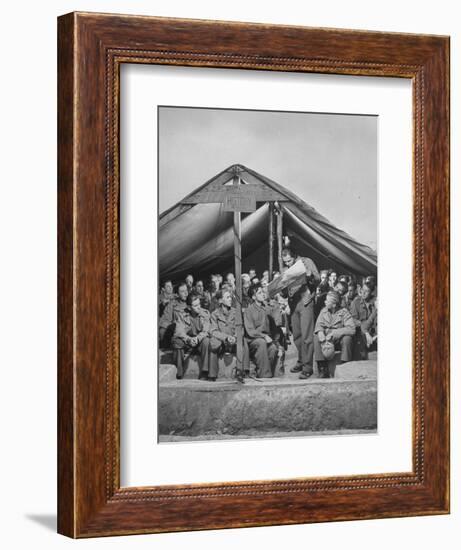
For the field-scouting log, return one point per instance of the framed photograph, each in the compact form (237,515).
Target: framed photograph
(231,197)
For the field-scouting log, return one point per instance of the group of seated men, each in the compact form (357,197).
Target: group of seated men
(203,321)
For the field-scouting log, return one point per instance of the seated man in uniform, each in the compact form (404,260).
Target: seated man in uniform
(265,277)
(230,280)
(321,292)
(370,281)
(364,312)
(171,311)
(204,296)
(332,279)
(192,334)
(166,296)
(341,289)
(246,283)
(324,278)
(223,334)
(189,282)
(351,294)
(257,331)
(215,286)
(334,329)
(279,312)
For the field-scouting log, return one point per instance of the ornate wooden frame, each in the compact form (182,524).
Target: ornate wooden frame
(91,49)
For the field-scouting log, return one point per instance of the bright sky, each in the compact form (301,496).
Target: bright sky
(328,160)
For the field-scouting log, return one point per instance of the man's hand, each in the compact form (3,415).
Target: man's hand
(231,340)
(321,336)
(329,336)
(335,334)
(268,339)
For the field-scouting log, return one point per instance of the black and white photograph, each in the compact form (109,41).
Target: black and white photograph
(268,293)
(202,205)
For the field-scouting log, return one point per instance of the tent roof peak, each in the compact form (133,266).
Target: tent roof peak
(309,215)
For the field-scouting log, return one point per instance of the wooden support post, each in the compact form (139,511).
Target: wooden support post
(280,238)
(271,240)
(238,287)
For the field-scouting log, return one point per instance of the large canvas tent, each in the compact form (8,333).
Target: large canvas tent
(196,236)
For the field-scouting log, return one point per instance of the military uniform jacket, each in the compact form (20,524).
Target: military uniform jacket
(171,313)
(274,310)
(246,300)
(165,298)
(188,324)
(222,323)
(256,321)
(364,313)
(347,302)
(204,299)
(339,322)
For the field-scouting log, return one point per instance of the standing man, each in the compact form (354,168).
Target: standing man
(301,301)
(257,329)
(192,334)
(223,334)
(170,314)
(334,329)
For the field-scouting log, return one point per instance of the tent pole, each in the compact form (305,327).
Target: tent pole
(238,288)
(271,240)
(279,238)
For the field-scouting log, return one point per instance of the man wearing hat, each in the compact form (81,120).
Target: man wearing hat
(334,329)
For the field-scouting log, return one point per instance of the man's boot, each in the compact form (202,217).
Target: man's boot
(324,371)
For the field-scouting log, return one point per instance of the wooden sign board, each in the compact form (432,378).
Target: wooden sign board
(239,203)
(259,193)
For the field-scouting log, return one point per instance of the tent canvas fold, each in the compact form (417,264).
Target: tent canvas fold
(198,238)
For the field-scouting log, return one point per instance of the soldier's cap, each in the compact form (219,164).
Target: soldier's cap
(328,350)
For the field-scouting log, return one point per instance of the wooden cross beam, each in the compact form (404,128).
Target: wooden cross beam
(249,194)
